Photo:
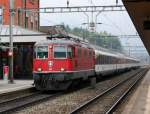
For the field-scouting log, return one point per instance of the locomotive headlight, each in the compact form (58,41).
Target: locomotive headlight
(50,63)
(62,69)
(39,69)
(50,47)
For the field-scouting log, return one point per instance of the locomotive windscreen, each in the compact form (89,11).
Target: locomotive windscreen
(60,52)
(42,52)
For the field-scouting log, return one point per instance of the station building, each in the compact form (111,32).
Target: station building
(25,35)
(27,20)
(24,41)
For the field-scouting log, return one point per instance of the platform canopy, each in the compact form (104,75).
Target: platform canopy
(139,11)
(20,35)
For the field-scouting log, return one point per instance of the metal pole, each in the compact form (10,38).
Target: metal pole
(96,20)
(88,20)
(11,13)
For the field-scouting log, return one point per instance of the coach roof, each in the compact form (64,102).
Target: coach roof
(63,41)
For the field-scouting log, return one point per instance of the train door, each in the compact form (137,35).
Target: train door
(76,58)
(70,56)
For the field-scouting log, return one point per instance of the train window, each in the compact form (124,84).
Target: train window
(60,52)
(90,53)
(85,53)
(42,52)
(70,53)
(79,52)
(103,59)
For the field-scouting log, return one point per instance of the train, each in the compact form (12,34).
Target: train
(59,62)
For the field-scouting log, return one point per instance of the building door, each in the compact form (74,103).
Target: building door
(3,61)
(23,58)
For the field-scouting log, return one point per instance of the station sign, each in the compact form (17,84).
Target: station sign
(1,12)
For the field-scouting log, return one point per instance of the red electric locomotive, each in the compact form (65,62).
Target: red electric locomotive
(59,61)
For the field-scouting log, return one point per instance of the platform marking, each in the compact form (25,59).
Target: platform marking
(147,111)
(15,88)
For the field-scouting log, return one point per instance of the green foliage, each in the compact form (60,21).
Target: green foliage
(103,39)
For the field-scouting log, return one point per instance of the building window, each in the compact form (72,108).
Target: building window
(19,17)
(32,25)
(1,15)
(36,21)
(27,15)
(36,24)
(32,20)
(26,22)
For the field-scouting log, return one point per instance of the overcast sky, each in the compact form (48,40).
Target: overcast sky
(116,23)
(113,22)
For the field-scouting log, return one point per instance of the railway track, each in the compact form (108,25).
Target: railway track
(7,105)
(14,94)
(16,100)
(12,104)
(107,101)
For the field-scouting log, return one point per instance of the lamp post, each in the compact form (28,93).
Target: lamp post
(10,54)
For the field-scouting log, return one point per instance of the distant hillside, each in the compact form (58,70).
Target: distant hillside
(102,39)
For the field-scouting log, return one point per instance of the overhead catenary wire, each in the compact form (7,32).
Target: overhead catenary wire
(91,1)
(114,24)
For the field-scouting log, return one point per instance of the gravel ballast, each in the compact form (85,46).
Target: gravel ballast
(67,102)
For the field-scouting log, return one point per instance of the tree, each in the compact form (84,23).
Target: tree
(103,39)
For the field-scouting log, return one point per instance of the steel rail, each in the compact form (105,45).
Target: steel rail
(31,89)
(114,106)
(8,106)
(17,98)
(78,109)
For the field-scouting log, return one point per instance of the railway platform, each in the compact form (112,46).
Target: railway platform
(5,87)
(139,102)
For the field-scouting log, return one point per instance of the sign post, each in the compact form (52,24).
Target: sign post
(11,14)
(5,73)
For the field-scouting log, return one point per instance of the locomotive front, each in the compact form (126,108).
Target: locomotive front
(52,65)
